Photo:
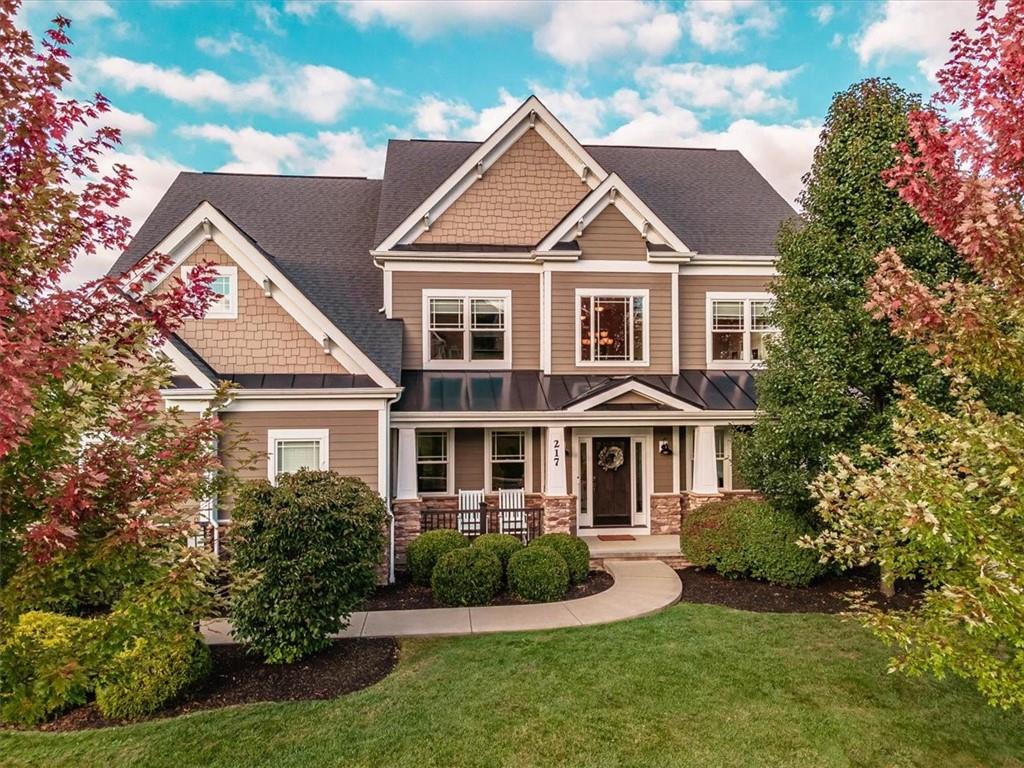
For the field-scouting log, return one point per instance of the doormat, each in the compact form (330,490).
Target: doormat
(616,537)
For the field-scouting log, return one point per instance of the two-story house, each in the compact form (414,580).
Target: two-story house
(579,322)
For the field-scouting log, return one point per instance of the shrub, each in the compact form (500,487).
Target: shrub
(47,666)
(502,544)
(305,556)
(538,574)
(573,550)
(466,576)
(151,673)
(425,550)
(750,538)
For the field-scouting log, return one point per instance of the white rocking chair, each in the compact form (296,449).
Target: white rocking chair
(512,512)
(469,518)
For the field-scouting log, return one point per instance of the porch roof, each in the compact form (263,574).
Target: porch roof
(461,391)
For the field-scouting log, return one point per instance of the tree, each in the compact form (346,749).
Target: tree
(948,502)
(95,476)
(828,384)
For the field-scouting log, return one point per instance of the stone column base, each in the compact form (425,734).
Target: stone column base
(693,501)
(407,526)
(666,513)
(559,514)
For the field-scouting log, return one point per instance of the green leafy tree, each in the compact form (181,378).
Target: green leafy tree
(828,384)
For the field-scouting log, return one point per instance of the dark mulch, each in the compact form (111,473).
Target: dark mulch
(404,595)
(239,678)
(827,595)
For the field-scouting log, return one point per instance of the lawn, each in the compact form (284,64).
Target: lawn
(694,686)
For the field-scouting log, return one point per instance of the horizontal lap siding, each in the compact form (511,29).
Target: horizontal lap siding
(693,290)
(662,462)
(610,236)
(563,320)
(469,459)
(407,303)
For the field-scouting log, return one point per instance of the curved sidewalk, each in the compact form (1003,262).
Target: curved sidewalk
(641,587)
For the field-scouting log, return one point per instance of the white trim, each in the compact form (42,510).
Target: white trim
(231,313)
(387,275)
(676,340)
(676,460)
(401,257)
(527,458)
(483,267)
(640,523)
(627,387)
(467,295)
(746,297)
(711,270)
(449,463)
(483,419)
(613,265)
(630,293)
(531,115)
(545,322)
(196,401)
(276,435)
(181,243)
(185,367)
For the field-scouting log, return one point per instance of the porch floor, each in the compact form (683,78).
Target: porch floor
(642,546)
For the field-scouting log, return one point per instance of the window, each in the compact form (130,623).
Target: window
(508,460)
(225,284)
(611,327)
(290,450)
(728,478)
(432,462)
(466,330)
(738,329)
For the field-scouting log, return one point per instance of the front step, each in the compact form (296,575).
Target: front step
(664,548)
(675,562)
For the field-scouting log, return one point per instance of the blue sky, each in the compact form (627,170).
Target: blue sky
(305,87)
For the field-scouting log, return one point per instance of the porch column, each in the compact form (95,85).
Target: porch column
(555,484)
(705,474)
(407,488)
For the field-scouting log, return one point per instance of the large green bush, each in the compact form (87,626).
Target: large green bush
(573,550)
(152,673)
(750,538)
(466,576)
(305,556)
(426,549)
(538,574)
(504,545)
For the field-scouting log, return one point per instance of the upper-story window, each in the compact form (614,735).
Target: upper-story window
(467,329)
(225,285)
(738,329)
(611,327)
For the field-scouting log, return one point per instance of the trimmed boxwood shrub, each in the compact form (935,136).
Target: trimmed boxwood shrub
(503,545)
(305,556)
(750,538)
(573,550)
(426,549)
(466,576)
(538,574)
(152,673)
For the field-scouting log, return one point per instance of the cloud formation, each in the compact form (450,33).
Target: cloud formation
(921,28)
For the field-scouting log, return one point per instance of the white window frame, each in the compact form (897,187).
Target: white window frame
(449,463)
(274,436)
(213,313)
(747,298)
(611,293)
(467,316)
(527,453)
(726,458)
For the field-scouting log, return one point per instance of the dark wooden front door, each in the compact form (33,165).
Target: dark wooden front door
(611,502)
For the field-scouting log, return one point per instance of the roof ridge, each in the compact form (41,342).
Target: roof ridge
(278,175)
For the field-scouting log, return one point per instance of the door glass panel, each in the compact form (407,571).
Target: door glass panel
(638,479)
(584,456)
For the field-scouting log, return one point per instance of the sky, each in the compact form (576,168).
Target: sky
(302,87)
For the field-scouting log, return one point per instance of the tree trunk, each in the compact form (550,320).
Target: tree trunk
(887,584)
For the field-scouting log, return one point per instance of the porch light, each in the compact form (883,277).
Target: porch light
(664,448)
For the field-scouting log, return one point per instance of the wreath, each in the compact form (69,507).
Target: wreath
(610,458)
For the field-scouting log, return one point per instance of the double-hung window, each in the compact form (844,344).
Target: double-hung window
(225,285)
(289,450)
(612,327)
(508,461)
(467,329)
(432,452)
(738,328)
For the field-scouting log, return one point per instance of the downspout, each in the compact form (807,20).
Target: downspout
(387,492)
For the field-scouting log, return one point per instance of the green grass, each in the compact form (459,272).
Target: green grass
(693,686)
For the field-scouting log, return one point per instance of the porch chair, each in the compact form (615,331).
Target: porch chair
(512,512)
(469,518)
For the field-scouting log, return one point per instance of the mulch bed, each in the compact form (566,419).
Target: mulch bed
(239,678)
(827,595)
(404,595)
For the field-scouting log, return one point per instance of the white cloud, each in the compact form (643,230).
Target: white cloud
(915,27)
(268,16)
(346,153)
(322,93)
(222,46)
(133,125)
(304,9)
(420,20)
(435,118)
(718,25)
(823,13)
(744,90)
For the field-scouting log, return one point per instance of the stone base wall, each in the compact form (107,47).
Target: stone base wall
(666,513)
(407,526)
(451,503)
(559,514)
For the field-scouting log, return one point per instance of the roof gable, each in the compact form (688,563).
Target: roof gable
(628,392)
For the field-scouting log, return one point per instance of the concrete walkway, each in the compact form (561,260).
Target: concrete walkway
(641,587)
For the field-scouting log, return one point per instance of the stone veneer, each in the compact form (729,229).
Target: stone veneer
(560,514)
(666,513)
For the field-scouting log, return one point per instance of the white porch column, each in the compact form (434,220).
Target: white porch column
(705,474)
(555,484)
(407,464)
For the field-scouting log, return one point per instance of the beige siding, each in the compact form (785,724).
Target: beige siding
(407,304)
(662,463)
(520,198)
(538,460)
(563,320)
(610,236)
(264,338)
(692,316)
(469,459)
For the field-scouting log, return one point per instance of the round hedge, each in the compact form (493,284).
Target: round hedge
(574,551)
(466,576)
(538,574)
(504,545)
(426,549)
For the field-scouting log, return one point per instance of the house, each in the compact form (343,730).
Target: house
(580,322)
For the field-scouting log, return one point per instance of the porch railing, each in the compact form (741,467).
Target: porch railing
(524,523)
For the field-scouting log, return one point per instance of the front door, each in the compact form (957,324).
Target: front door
(612,471)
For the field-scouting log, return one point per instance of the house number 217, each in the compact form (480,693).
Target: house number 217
(556,454)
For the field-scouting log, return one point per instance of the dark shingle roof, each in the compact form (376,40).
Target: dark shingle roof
(714,200)
(193,357)
(317,230)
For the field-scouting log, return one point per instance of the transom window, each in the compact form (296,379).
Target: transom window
(290,450)
(467,330)
(738,329)
(432,462)
(611,327)
(508,460)
(225,285)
